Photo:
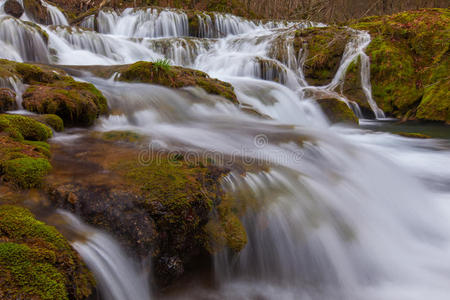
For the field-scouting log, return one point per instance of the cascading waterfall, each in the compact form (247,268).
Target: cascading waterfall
(56,16)
(117,276)
(333,217)
(21,42)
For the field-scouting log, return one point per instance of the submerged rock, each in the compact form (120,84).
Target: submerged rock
(7,100)
(36,262)
(13,8)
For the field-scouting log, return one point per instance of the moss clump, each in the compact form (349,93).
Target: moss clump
(176,77)
(23,127)
(226,230)
(7,100)
(337,111)
(26,172)
(409,63)
(51,91)
(53,121)
(36,262)
(77,103)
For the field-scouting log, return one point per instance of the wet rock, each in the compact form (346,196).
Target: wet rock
(13,8)
(337,111)
(7,100)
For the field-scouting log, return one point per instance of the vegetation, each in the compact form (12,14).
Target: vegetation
(36,262)
(337,111)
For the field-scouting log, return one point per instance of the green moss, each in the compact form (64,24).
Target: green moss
(410,63)
(22,127)
(41,147)
(176,77)
(53,121)
(36,262)
(123,136)
(26,172)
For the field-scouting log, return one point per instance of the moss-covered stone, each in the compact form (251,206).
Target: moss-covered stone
(413,135)
(409,63)
(51,91)
(7,100)
(23,127)
(121,136)
(36,262)
(26,172)
(175,77)
(53,121)
(337,111)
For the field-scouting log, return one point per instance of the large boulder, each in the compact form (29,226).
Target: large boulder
(13,8)
(337,111)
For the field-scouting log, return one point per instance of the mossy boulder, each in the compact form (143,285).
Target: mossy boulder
(23,151)
(52,91)
(22,127)
(410,63)
(36,262)
(337,111)
(26,172)
(175,77)
(7,100)
(53,121)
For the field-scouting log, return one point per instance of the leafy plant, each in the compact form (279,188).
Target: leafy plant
(163,64)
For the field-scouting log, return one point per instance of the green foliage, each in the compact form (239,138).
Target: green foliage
(163,64)
(26,172)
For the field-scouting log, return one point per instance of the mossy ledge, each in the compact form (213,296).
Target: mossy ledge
(36,262)
(51,91)
(337,111)
(24,152)
(410,58)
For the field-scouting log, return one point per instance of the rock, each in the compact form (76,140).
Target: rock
(7,100)
(337,111)
(157,205)
(37,11)
(13,8)
(37,262)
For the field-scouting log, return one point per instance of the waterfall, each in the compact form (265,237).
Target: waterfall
(117,276)
(21,42)
(56,16)
(16,85)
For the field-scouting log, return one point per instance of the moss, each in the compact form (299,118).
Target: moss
(122,136)
(26,172)
(40,147)
(36,262)
(337,111)
(176,77)
(23,127)
(77,103)
(53,121)
(413,135)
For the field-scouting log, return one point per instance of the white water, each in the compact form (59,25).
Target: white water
(341,214)
(117,276)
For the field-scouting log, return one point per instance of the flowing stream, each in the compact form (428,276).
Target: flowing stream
(342,213)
